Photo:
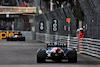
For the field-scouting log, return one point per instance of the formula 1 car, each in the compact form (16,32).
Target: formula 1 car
(57,52)
(16,37)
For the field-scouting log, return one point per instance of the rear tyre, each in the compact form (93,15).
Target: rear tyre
(41,55)
(22,39)
(7,39)
(72,56)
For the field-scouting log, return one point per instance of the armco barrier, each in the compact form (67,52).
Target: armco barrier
(47,38)
(40,37)
(90,47)
(27,34)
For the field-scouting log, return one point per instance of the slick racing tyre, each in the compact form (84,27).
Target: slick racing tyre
(22,39)
(41,55)
(72,56)
(8,39)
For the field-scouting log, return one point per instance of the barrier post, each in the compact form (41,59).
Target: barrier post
(78,43)
(68,40)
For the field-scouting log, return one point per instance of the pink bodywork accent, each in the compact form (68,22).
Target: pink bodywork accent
(16,36)
(54,50)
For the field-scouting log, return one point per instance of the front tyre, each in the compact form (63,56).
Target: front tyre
(41,55)
(72,56)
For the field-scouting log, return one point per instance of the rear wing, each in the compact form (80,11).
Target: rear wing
(57,45)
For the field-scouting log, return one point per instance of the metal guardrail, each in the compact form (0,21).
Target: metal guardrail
(90,47)
(47,38)
(40,37)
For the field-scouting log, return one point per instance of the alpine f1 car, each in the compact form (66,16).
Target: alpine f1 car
(16,37)
(57,52)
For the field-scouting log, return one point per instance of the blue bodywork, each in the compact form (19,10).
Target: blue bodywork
(14,36)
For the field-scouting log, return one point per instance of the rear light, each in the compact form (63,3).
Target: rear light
(57,51)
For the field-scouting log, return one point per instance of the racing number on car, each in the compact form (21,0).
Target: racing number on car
(55,25)
(41,27)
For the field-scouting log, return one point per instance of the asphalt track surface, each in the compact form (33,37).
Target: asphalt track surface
(23,54)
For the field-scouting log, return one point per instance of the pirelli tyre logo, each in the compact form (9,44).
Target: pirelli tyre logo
(3,35)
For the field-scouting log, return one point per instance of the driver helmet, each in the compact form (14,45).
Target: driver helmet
(81,29)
